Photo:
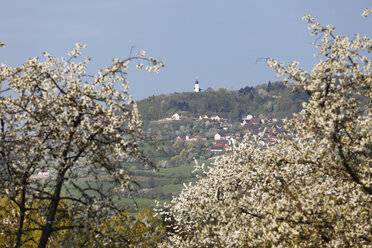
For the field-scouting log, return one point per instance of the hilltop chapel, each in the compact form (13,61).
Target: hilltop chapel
(196,87)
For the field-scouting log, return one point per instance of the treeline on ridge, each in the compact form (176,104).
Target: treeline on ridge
(273,99)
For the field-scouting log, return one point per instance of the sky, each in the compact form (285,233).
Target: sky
(218,42)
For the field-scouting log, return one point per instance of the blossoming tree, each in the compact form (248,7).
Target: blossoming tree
(311,189)
(76,129)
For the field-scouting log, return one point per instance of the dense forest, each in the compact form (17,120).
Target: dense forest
(273,99)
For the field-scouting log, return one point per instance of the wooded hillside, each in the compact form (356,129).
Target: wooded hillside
(272,99)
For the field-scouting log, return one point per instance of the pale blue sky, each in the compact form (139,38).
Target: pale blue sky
(217,41)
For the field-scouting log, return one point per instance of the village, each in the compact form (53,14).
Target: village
(218,130)
(222,133)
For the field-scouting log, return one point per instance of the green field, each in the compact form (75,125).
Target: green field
(154,186)
(177,171)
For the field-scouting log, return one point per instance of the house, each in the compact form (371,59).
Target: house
(222,143)
(246,117)
(203,117)
(220,146)
(183,138)
(217,136)
(215,117)
(176,117)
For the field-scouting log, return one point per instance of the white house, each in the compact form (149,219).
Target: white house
(246,117)
(176,117)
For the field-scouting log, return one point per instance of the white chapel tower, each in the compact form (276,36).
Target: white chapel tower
(196,87)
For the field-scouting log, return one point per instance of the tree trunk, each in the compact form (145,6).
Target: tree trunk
(22,213)
(48,228)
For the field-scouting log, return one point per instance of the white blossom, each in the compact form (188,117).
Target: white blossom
(55,117)
(311,189)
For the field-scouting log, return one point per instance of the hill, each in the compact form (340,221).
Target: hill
(272,99)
